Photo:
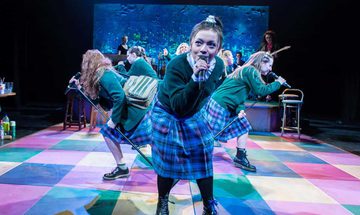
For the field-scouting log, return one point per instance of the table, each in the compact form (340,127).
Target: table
(7,94)
(263,116)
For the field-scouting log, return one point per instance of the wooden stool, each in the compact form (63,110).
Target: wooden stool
(80,120)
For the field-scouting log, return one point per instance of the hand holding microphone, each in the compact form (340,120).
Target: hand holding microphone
(73,83)
(280,79)
(201,67)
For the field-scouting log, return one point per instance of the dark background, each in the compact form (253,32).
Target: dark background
(43,42)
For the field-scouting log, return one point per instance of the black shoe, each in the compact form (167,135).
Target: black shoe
(162,206)
(210,207)
(243,163)
(116,173)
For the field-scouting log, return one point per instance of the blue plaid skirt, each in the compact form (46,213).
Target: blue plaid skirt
(140,135)
(182,148)
(218,117)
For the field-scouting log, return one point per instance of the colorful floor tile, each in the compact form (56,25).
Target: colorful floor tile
(60,172)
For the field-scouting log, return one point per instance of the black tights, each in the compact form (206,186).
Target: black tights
(205,186)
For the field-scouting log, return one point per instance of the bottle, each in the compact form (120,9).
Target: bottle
(13,129)
(6,124)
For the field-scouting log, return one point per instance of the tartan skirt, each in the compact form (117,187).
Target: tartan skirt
(218,117)
(182,147)
(140,135)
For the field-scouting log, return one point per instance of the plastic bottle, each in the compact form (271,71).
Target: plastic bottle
(13,128)
(6,124)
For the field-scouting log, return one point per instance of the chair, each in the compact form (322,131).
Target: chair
(69,120)
(291,101)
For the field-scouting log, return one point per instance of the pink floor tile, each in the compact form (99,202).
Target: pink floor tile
(286,208)
(91,177)
(344,192)
(141,180)
(17,199)
(53,134)
(33,142)
(320,171)
(338,158)
(58,157)
(181,188)
(249,144)
(224,165)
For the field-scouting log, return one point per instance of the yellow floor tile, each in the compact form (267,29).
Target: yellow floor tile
(289,189)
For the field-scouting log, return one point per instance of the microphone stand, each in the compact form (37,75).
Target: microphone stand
(230,123)
(116,128)
(251,106)
(72,86)
(122,134)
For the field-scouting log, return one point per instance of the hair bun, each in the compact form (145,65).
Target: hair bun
(214,20)
(210,19)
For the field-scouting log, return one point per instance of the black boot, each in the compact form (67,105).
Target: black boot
(162,205)
(242,162)
(210,207)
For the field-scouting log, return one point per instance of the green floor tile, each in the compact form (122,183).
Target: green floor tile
(355,209)
(106,203)
(17,154)
(234,186)
(77,145)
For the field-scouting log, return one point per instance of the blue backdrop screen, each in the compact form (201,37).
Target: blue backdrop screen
(156,27)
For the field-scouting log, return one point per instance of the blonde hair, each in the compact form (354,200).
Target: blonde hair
(93,65)
(180,46)
(224,55)
(255,61)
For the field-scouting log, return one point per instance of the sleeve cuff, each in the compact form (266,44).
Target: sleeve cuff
(195,78)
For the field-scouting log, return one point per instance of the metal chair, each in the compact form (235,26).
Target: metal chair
(291,101)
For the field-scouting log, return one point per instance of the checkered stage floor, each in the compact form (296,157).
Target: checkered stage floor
(55,171)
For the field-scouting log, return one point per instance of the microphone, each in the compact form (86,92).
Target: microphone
(202,72)
(275,76)
(72,84)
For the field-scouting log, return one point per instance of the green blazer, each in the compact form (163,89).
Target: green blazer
(111,95)
(232,93)
(141,67)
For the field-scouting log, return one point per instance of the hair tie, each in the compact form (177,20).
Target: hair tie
(210,19)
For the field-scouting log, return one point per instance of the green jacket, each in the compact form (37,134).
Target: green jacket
(113,96)
(179,93)
(232,93)
(141,67)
